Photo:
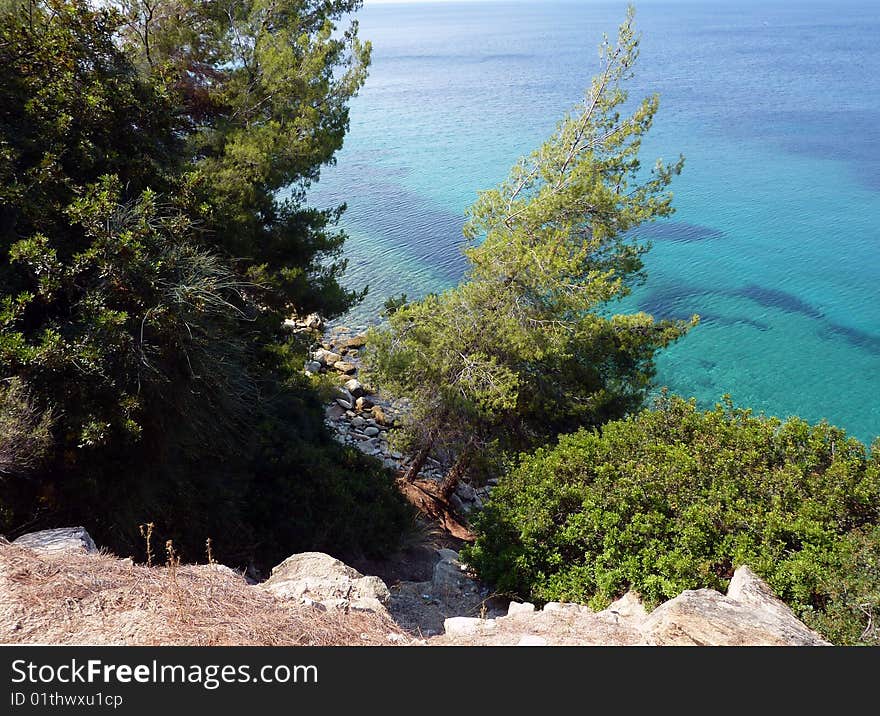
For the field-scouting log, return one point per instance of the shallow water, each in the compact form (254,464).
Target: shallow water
(776,241)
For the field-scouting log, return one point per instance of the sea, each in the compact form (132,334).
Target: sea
(776,239)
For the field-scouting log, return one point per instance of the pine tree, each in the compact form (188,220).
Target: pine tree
(527,346)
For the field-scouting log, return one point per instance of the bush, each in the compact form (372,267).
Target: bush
(278,484)
(25,431)
(675,498)
(158,356)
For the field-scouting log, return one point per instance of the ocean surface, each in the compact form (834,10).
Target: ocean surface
(776,239)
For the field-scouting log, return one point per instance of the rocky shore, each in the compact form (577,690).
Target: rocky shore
(362,417)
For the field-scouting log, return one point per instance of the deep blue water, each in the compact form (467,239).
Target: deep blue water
(776,241)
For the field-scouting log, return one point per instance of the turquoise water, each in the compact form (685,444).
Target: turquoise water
(776,241)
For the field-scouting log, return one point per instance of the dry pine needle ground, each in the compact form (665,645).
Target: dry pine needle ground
(68,598)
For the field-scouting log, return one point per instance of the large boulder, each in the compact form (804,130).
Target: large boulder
(318,578)
(64,539)
(749,615)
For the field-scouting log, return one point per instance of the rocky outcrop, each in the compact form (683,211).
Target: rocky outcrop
(65,539)
(748,615)
(314,578)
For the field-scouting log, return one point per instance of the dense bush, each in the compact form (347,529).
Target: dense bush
(675,498)
(147,262)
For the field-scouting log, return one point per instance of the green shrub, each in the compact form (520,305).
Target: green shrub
(25,431)
(146,264)
(675,498)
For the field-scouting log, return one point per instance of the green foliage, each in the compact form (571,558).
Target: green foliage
(25,431)
(526,346)
(675,498)
(263,88)
(144,266)
(281,486)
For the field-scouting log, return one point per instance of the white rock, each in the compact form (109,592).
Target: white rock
(520,608)
(629,606)
(321,578)
(313,320)
(64,539)
(325,357)
(354,387)
(561,607)
(467,626)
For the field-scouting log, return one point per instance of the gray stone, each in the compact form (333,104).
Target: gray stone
(371,431)
(357,422)
(450,576)
(344,404)
(313,366)
(346,396)
(457,504)
(465,492)
(63,539)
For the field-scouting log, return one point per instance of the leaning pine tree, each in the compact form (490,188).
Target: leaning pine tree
(527,347)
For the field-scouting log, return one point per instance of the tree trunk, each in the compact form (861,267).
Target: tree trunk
(456,472)
(419,462)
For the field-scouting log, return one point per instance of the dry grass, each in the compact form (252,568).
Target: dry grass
(100,599)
